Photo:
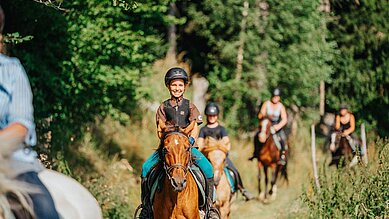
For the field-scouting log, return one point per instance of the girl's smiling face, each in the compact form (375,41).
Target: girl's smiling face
(212,119)
(177,88)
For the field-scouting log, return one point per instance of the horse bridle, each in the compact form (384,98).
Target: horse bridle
(167,168)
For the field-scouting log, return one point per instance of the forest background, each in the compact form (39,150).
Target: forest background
(96,68)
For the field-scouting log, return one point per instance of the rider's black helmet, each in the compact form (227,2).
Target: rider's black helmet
(276,92)
(343,106)
(176,73)
(212,109)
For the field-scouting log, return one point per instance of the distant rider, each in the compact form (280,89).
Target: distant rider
(345,124)
(276,112)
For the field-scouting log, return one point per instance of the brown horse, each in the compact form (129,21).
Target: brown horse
(216,152)
(343,153)
(269,156)
(178,197)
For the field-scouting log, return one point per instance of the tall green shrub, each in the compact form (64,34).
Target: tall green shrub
(359,193)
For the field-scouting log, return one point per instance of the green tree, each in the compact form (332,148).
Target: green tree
(285,45)
(360,29)
(86,61)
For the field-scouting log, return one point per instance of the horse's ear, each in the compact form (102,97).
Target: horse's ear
(161,128)
(188,130)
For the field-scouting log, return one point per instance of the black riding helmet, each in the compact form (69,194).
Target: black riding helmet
(176,73)
(276,92)
(212,109)
(343,106)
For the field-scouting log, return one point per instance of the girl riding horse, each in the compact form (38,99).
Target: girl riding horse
(214,143)
(344,136)
(176,112)
(276,112)
(269,155)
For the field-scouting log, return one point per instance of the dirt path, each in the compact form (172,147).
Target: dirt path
(288,202)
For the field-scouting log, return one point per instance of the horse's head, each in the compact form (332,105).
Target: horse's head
(217,159)
(176,154)
(216,152)
(264,129)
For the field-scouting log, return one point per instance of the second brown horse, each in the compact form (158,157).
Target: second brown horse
(269,155)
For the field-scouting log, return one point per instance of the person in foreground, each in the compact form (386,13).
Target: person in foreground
(17,129)
(216,131)
(176,112)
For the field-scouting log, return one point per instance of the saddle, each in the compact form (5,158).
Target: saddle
(156,176)
(232,179)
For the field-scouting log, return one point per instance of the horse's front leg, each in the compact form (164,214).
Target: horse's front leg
(274,179)
(259,178)
(266,180)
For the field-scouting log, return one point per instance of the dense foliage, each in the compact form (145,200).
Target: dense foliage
(87,61)
(360,79)
(285,45)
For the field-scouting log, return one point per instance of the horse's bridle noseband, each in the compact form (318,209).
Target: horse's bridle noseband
(167,168)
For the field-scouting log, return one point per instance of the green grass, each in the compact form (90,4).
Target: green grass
(108,161)
(362,192)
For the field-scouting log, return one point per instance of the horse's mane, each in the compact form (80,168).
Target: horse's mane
(17,189)
(167,131)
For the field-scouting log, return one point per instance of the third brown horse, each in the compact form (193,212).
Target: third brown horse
(269,155)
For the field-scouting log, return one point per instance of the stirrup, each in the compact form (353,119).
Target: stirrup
(136,211)
(213,213)
(144,213)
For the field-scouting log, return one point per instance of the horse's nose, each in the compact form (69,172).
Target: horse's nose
(178,183)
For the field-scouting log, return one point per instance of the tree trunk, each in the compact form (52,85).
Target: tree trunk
(200,87)
(322,98)
(239,59)
(172,35)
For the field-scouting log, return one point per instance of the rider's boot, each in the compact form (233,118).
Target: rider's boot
(282,160)
(246,194)
(146,211)
(213,213)
(284,148)
(255,153)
